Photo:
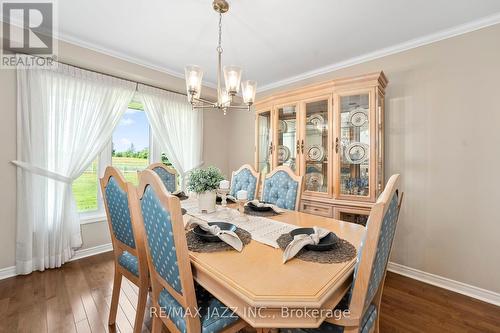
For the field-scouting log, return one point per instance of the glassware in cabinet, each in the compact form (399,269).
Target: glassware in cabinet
(287,142)
(314,146)
(353,145)
(264,144)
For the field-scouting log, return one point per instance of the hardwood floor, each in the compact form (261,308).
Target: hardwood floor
(76,297)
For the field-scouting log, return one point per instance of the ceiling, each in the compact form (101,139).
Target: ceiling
(275,41)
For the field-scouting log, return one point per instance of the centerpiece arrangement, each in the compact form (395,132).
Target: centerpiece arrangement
(205,182)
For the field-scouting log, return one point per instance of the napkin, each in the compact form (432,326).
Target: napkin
(299,241)
(261,204)
(177,192)
(228,237)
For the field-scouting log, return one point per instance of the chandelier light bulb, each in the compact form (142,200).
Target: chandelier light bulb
(232,76)
(248,89)
(194,76)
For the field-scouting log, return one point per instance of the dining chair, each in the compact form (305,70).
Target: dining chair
(128,248)
(175,297)
(245,178)
(364,297)
(167,175)
(282,187)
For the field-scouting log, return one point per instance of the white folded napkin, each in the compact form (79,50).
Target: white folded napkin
(299,241)
(230,197)
(257,203)
(228,237)
(176,192)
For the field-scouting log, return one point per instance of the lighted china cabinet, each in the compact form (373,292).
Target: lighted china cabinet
(332,134)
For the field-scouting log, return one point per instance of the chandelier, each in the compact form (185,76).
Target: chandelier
(232,78)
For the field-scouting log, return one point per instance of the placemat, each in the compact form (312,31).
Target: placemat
(196,244)
(342,252)
(250,211)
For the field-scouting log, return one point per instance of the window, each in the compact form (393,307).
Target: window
(86,189)
(128,151)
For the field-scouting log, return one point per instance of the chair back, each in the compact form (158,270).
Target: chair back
(166,246)
(245,178)
(282,187)
(125,236)
(369,274)
(167,175)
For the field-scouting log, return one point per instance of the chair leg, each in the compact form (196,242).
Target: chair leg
(141,308)
(117,282)
(157,324)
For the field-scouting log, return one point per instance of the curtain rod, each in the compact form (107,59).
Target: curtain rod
(115,76)
(121,78)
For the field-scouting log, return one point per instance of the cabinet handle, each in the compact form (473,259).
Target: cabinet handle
(337,145)
(302,146)
(271,148)
(297,147)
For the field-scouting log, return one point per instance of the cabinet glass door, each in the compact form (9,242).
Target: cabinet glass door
(354,145)
(287,144)
(264,144)
(315,146)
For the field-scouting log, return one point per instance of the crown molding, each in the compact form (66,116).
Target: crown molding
(122,56)
(408,45)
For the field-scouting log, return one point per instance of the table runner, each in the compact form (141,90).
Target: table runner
(262,229)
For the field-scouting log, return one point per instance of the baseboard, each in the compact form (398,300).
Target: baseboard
(92,251)
(445,283)
(8,272)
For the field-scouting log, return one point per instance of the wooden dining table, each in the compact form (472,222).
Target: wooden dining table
(265,292)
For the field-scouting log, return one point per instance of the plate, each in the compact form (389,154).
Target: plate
(358,117)
(181,196)
(206,236)
(257,208)
(316,120)
(326,243)
(282,126)
(315,153)
(218,199)
(283,154)
(357,152)
(314,181)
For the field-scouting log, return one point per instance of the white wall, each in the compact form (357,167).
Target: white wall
(443,137)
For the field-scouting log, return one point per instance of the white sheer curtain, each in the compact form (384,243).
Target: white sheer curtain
(177,128)
(66,116)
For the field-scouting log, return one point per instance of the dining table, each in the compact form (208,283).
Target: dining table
(267,293)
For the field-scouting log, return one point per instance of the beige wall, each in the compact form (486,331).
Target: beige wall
(95,233)
(443,136)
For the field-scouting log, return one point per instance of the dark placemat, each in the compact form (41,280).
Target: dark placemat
(342,252)
(250,211)
(196,244)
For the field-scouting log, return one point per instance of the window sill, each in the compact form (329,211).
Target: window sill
(94,218)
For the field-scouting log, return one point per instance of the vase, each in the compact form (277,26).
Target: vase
(206,201)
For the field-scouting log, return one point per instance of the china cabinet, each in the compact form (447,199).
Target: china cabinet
(332,133)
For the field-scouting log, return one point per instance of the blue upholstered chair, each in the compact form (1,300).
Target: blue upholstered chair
(363,298)
(282,188)
(167,175)
(129,252)
(174,293)
(245,178)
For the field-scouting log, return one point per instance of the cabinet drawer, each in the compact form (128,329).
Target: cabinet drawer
(317,209)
